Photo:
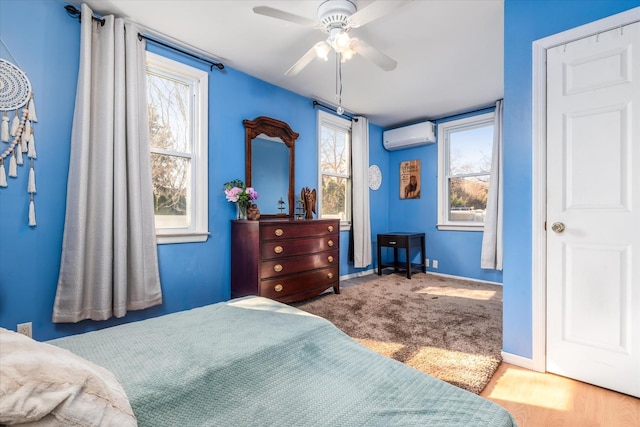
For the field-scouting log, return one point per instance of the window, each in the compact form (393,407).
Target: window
(464,161)
(334,142)
(177,97)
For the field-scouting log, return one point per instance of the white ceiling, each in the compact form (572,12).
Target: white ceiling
(449,52)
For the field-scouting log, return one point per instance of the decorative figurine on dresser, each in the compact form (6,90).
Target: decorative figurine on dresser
(253,213)
(308,198)
(279,256)
(299,209)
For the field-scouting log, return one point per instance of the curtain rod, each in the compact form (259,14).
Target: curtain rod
(218,65)
(326,107)
(74,12)
(486,107)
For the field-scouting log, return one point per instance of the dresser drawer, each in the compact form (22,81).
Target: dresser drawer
(390,241)
(299,229)
(297,264)
(286,248)
(281,287)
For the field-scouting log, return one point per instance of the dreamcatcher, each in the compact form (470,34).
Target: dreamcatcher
(17,127)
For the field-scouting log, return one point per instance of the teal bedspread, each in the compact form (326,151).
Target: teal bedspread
(256,362)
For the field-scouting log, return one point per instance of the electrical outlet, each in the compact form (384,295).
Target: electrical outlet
(435,263)
(24,329)
(426,262)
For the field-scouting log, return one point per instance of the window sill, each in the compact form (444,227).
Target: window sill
(192,237)
(459,227)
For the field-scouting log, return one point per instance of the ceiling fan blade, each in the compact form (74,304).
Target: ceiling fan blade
(373,55)
(306,59)
(374,11)
(285,16)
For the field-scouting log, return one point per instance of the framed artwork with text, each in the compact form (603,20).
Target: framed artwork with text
(410,179)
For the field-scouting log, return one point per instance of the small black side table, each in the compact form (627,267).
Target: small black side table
(404,240)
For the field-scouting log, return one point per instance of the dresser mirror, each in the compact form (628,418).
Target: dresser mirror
(270,165)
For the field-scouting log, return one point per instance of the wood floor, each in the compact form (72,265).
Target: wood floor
(540,399)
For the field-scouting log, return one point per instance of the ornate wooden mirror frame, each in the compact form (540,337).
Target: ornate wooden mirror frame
(275,129)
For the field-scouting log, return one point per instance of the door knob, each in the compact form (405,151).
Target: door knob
(558,227)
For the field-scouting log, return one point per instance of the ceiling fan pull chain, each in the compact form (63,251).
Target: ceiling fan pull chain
(339,110)
(337,75)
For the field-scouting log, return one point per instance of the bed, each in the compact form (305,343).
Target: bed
(256,362)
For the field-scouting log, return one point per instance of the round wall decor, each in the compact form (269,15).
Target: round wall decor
(375,177)
(15,88)
(17,133)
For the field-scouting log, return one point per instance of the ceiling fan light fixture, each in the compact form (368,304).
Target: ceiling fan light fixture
(340,41)
(347,54)
(322,50)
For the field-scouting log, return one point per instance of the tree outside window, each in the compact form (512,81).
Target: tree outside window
(465,149)
(335,167)
(177,108)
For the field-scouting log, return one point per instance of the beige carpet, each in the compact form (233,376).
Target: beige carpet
(448,328)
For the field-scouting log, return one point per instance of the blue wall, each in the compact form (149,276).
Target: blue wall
(457,252)
(192,274)
(525,22)
(197,273)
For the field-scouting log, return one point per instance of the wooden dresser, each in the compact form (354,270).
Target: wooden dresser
(286,260)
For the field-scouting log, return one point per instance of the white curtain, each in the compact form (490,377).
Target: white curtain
(109,256)
(361,221)
(491,256)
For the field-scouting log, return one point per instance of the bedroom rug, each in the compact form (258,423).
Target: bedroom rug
(448,328)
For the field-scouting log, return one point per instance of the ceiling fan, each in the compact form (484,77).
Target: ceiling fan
(337,18)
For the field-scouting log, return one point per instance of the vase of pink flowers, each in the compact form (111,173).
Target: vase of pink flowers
(237,192)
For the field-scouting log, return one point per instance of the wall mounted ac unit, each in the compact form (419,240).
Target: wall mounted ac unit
(409,136)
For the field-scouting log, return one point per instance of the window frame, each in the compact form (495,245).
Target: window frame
(341,123)
(444,131)
(197,231)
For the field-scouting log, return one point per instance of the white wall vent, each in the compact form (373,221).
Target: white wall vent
(409,136)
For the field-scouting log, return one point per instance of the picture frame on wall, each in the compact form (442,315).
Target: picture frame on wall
(410,179)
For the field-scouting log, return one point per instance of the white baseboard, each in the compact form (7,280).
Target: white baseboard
(374,271)
(464,278)
(520,361)
(357,274)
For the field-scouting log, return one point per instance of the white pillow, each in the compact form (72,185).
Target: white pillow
(44,385)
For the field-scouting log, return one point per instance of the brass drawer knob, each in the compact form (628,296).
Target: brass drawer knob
(277,268)
(330,275)
(330,259)
(278,249)
(278,288)
(330,243)
(330,228)
(279,232)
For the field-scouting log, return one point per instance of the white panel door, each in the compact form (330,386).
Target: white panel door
(593,191)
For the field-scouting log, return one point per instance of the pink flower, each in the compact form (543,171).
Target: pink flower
(233,194)
(253,194)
